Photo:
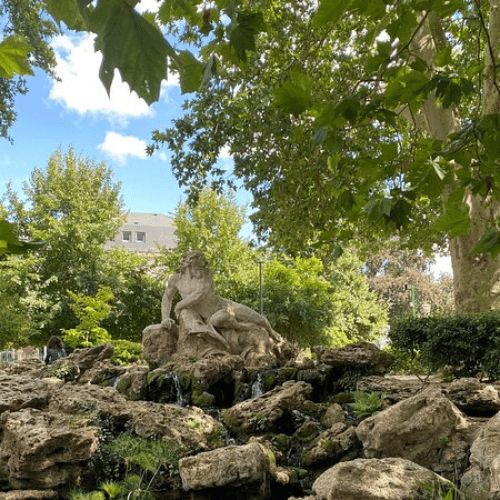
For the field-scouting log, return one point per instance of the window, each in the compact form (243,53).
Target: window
(141,237)
(127,236)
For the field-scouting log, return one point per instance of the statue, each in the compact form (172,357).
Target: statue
(209,325)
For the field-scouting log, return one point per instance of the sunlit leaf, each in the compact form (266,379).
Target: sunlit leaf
(330,11)
(14,52)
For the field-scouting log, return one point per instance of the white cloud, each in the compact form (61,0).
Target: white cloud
(122,147)
(80,88)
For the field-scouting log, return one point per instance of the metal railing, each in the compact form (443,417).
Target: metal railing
(13,355)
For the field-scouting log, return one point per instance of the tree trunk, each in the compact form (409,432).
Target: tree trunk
(475,276)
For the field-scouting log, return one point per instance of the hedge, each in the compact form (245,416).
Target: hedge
(468,344)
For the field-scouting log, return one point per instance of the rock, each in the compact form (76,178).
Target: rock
(230,466)
(187,427)
(29,495)
(43,449)
(334,414)
(474,397)
(482,480)
(159,344)
(339,443)
(398,387)
(22,391)
(372,479)
(363,356)
(271,412)
(427,429)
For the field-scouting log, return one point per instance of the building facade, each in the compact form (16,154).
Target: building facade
(142,233)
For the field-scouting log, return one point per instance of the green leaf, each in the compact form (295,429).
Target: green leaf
(330,11)
(9,242)
(191,72)
(443,57)
(295,96)
(132,45)
(74,13)
(489,243)
(242,36)
(455,221)
(14,51)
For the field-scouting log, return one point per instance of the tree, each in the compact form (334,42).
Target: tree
(304,301)
(394,103)
(137,282)
(394,107)
(393,273)
(74,206)
(312,304)
(213,226)
(25,45)
(90,311)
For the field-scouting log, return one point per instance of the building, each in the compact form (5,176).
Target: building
(142,233)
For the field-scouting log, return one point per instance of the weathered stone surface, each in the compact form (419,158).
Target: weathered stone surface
(360,356)
(473,397)
(24,391)
(338,443)
(229,466)
(482,480)
(398,387)
(188,427)
(159,344)
(133,383)
(268,412)
(42,449)
(29,495)
(372,479)
(427,429)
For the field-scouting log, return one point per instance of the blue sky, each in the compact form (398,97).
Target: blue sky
(78,112)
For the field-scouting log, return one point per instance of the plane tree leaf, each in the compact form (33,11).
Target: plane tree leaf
(14,52)
(10,243)
(132,45)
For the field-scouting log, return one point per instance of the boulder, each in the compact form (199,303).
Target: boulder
(397,387)
(25,391)
(232,466)
(427,429)
(474,397)
(362,356)
(339,443)
(43,449)
(159,344)
(378,479)
(29,495)
(271,412)
(481,481)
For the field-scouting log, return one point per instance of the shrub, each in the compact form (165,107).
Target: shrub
(126,352)
(468,344)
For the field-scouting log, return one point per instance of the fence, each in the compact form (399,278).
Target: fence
(15,355)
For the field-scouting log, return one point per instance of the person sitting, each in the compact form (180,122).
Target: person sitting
(55,349)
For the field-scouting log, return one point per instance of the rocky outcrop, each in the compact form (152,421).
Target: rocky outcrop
(427,429)
(220,430)
(231,466)
(384,479)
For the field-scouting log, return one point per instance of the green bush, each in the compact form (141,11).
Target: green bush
(468,344)
(126,352)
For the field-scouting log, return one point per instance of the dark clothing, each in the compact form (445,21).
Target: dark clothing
(54,352)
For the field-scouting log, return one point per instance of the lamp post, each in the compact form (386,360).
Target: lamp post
(260,262)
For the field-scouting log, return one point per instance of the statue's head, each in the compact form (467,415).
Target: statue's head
(195,259)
